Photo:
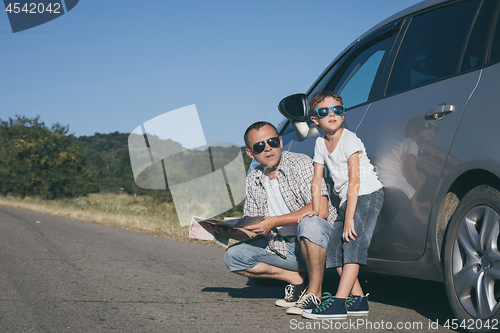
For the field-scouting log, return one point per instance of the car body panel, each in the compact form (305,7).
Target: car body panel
(427,114)
(402,229)
(406,236)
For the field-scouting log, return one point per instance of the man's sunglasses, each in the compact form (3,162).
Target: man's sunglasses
(260,146)
(429,126)
(338,110)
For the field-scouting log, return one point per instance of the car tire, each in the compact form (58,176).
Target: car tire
(472,260)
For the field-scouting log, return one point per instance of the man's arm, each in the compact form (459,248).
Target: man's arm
(250,208)
(316,189)
(238,234)
(290,219)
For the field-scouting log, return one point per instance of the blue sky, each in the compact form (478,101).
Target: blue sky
(112,65)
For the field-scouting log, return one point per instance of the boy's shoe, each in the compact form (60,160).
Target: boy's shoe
(307,301)
(330,308)
(357,305)
(293,292)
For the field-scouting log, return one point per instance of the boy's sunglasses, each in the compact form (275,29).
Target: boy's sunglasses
(261,145)
(338,110)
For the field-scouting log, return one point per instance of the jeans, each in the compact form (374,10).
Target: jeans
(340,252)
(245,255)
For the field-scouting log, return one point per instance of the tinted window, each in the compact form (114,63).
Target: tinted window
(326,78)
(287,127)
(359,72)
(476,47)
(495,47)
(433,46)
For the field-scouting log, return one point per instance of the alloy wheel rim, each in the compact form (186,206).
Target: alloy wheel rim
(476,262)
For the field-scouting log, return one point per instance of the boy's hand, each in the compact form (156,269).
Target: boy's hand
(310,213)
(349,231)
(263,227)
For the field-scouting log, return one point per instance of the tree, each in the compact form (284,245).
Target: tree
(36,160)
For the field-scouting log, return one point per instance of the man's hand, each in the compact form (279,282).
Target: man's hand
(349,231)
(309,213)
(263,227)
(227,232)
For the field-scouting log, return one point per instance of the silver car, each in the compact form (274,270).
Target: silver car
(421,90)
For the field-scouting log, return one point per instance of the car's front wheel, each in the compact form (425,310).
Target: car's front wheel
(472,259)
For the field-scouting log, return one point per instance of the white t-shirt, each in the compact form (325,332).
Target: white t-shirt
(336,162)
(391,163)
(277,205)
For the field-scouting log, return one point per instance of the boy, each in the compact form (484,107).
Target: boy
(361,196)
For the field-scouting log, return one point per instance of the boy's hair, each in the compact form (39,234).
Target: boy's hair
(320,97)
(256,126)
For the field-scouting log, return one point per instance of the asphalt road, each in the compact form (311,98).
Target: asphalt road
(62,275)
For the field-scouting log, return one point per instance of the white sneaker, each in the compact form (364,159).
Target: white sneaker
(293,292)
(308,301)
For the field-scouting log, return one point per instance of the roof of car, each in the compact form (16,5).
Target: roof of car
(415,8)
(412,9)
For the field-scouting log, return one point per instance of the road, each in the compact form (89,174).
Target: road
(62,275)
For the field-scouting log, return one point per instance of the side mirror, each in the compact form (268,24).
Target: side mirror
(294,107)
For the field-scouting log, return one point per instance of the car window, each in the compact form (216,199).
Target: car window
(285,128)
(325,78)
(495,46)
(357,81)
(359,72)
(476,46)
(433,46)
(354,73)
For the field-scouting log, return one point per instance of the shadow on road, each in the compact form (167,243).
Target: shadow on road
(264,288)
(425,297)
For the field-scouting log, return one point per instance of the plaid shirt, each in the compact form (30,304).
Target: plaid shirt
(294,176)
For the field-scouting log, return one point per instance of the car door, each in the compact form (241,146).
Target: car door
(409,130)
(356,74)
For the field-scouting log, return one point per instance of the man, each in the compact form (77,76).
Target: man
(279,247)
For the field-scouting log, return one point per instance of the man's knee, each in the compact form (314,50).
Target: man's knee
(240,265)
(230,257)
(311,224)
(316,230)
(237,259)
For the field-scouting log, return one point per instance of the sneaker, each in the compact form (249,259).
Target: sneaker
(357,305)
(308,301)
(293,292)
(330,308)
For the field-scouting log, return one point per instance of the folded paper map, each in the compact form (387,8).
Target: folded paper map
(199,231)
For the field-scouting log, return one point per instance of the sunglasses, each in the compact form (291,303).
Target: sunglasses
(338,110)
(261,145)
(429,126)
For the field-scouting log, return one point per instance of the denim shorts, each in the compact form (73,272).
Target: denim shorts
(367,210)
(245,255)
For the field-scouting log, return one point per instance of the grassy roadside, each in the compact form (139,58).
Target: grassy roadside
(141,214)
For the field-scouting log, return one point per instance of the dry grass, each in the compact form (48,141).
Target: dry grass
(141,214)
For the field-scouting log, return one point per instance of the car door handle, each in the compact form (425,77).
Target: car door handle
(439,111)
